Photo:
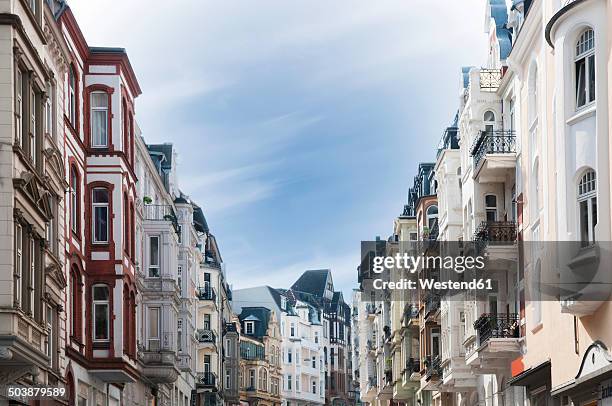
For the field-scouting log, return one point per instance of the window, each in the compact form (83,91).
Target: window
(52,226)
(51,347)
(153,331)
(289,379)
(585,68)
(289,356)
(180,279)
(179,335)
(314,362)
(100,202)
(33,126)
(19,107)
(432,216)
(74,200)
(252,378)
(314,387)
(249,327)
(316,337)
(206,321)
(489,121)
(99,119)
(587,206)
(72,96)
(49,110)
(491,207)
(292,330)
(228,379)
(101,313)
(75,301)
(18,263)
(263,379)
(32,275)
(154,256)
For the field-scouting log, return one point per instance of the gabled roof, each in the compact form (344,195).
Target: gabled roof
(312,282)
(261,317)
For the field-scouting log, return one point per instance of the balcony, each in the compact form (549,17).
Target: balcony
(410,317)
(494,154)
(206,380)
(432,304)
(161,212)
(490,79)
(206,294)
(456,375)
(159,360)
(498,239)
(498,343)
(371,310)
(433,369)
(371,390)
(206,336)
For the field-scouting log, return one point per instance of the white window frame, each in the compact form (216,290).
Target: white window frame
(33,124)
(154,270)
(587,194)
(249,327)
(19,107)
(74,203)
(154,334)
(72,96)
(49,110)
(103,137)
(490,209)
(105,206)
(585,53)
(96,303)
(489,125)
(18,263)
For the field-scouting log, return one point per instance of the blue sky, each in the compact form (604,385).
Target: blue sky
(299,124)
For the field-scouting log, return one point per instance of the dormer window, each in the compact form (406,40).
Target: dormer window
(585,68)
(99,119)
(249,327)
(283,303)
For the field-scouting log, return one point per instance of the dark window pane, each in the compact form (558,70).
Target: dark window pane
(100,195)
(584,223)
(101,321)
(100,293)
(591,78)
(580,85)
(101,223)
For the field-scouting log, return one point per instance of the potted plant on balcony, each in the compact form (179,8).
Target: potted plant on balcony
(147,200)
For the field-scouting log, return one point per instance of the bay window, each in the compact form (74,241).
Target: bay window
(99,119)
(585,68)
(153,330)
(100,206)
(101,313)
(587,207)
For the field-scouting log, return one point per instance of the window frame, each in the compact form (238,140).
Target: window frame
(93,109)
(150,264)
(587,195)
(249,325)
(75,191)
(584,54)
(100,205)
(100,302)
(71,99)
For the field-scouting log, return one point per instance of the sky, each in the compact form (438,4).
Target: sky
(299,124)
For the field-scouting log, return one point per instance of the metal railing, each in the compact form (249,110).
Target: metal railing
(206,379)
(493,142)
(206,293)
(497,231)
(490,79)
(413,365)
(161,212)
(432,365)
(164,343)
(206,336)
(500,325)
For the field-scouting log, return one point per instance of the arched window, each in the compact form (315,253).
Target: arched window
(489,121)
(587,207)
(72,94)
(99,119)
(101,313)
(432,215)
(126,225)
(585,68)
(74,199)
(491,208)
(100,210)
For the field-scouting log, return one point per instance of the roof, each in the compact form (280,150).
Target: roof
(499,13)
(261,317)
(165,149)
(312,281)
(199,221)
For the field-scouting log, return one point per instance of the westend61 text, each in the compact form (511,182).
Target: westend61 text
(432,284)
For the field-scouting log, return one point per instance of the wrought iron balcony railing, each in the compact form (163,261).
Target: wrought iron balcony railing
(493,142)
(413,365)
(206,336)
(161,212)
(206,379)
(432,304)
(432,365)
(206,293)
(490,79)
(497,231)
(500,325)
